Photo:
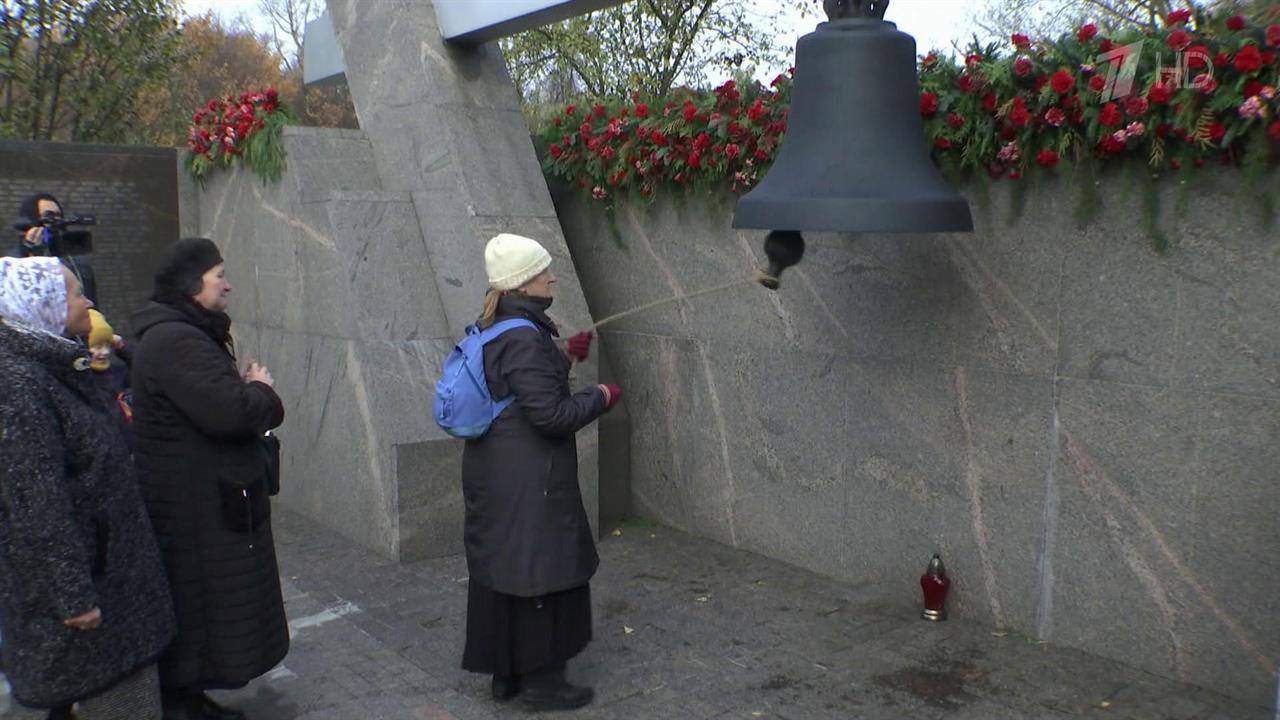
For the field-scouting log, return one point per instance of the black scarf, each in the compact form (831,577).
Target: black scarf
(533,308)
(214,323)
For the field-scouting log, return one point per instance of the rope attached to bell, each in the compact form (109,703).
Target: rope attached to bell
(756,277)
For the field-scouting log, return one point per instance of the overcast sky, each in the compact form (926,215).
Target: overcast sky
(933,23)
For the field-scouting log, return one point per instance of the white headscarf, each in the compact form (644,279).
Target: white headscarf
(33,292)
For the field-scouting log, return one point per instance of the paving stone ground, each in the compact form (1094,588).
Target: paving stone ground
(685,629)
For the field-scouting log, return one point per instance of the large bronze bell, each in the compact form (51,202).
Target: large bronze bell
(854,158)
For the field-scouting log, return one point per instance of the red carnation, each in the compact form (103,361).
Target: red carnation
(585,130)
(690,111)
(1248,59)
(570,110)
(732,150)
(1274,130)
(1087,32)
(1253,87)
(969,83)
(1055,117)
(929,60)
(598,111)
(1197,56)
(1062,82)
(990,101)
(1135,105)
(1105,46)
(1041,81)
(928,104)
(756,111)
(1019,117)
(1114,142)
(642,110)
(1205,83)
(1162,130)
(955,120)
(1110,115)
(1269,58)
(1020,41)
(1047,158)
(272,95)
(1023,66)
(555,151)
(1236,22)
(1273,35)
(1217,131)
(1179,40)
(695,160)
(1097,83)
(1176,17)
(1221,59)
(942,143)
(1160,93)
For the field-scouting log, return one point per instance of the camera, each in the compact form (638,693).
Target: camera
(57,238)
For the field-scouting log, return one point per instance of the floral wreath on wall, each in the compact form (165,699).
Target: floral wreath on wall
(1203,89)
(248,128)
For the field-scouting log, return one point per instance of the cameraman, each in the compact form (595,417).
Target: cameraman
(43,213)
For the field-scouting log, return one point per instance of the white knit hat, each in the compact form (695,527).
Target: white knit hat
(513,260)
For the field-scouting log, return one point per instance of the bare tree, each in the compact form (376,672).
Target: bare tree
(328,106)
(1052,18)
(289,20)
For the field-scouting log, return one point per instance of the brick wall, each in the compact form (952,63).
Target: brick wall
(131,190)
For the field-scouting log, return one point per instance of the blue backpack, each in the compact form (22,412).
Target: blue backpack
(463,406)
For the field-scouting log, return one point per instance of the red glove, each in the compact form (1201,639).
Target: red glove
(612,394)
(579,345)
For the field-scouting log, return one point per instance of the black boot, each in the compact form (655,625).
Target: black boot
(62,713)
(179,705)
(195,705)
(210,710)
(549,690)
(505,687)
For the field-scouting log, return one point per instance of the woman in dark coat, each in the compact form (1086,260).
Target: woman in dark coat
(84,606)
(530,551)
(198,426)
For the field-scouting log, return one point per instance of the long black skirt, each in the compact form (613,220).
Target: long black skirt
(509,635)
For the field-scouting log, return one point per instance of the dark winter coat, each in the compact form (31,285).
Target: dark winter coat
(113,389)
(526,530)
(73,532)
(197,444)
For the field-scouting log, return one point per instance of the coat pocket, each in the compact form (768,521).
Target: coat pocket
(101,522)
(243,497)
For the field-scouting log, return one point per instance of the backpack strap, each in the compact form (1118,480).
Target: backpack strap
(496,329)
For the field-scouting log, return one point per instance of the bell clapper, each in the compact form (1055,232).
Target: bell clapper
(784,248)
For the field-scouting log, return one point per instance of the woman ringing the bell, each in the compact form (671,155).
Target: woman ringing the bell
(530,549)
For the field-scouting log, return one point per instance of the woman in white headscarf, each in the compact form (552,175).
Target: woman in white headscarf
(84,605)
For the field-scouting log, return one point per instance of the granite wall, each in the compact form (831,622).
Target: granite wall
(1087,432)
(357,272)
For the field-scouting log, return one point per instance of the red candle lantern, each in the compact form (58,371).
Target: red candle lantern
(935,584)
